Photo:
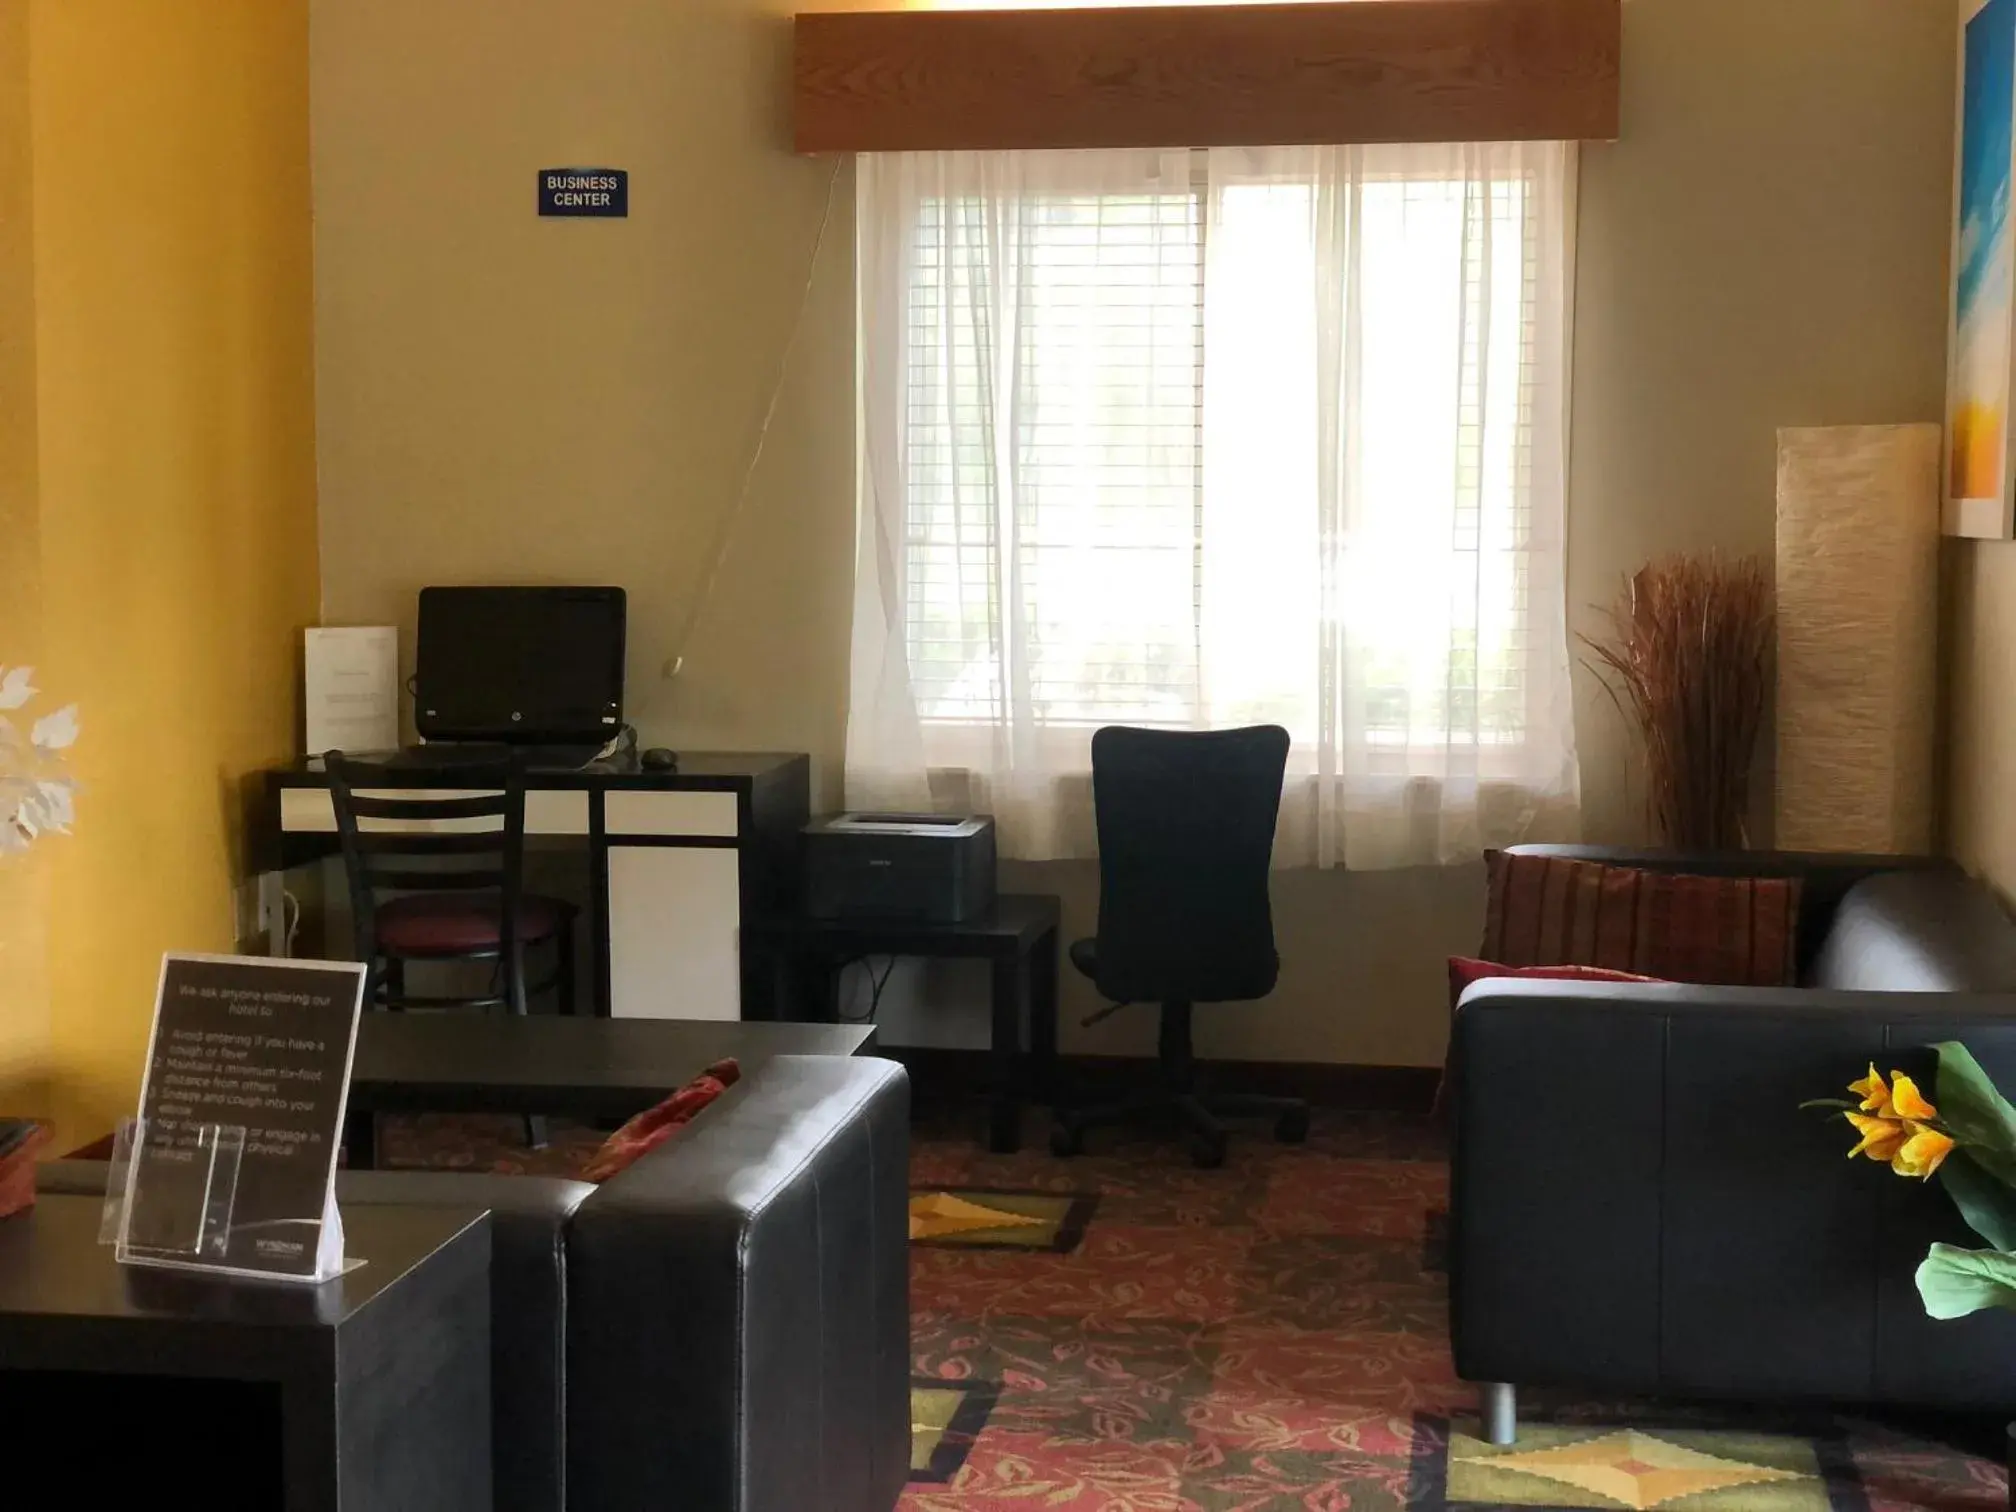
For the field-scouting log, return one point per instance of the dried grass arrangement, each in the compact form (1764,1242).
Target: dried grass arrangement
(1687,659)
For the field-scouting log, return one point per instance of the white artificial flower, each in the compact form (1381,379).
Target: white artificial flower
(36,796)
(16,687)
(50,807)
(56,732)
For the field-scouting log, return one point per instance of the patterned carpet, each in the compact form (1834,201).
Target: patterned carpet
(1271,1337)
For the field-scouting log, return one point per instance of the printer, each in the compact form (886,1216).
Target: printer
(933,868)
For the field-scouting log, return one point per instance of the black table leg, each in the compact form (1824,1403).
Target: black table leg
(1004,1135)
(360,1140)
(1043,1019)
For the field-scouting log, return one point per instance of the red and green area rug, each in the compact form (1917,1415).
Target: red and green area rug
(1125,1333)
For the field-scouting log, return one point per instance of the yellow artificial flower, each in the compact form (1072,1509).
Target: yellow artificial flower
(1922,1153)
(1906,1101)
(1874,1093)
(1894,1122)
(1882,1138)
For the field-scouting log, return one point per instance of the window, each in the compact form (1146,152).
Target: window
(1214,438)
(1103,546)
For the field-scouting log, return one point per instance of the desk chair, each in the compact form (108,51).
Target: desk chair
(441,879)
(1186,836)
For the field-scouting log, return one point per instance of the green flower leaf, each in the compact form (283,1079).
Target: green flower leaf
(1974,1113)
(1954,1282)
(1984,1199)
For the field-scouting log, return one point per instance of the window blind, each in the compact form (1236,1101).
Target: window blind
(1089,416)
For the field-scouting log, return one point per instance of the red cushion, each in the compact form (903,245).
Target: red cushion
(1727,931)
(444,923)
(1464,972)
(651,1128)
(17,1174)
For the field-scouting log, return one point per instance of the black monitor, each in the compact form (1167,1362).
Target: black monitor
(520,664)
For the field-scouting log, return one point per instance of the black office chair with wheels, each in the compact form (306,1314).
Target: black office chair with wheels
(1186,837)
(442,879)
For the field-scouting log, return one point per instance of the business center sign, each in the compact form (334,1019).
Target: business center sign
(598,193)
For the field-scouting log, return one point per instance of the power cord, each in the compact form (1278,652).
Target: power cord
(724,535)
(875,986)
(622,749)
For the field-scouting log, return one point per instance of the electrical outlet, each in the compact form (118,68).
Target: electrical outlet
(253,923)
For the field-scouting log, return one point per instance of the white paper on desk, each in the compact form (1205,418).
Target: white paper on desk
(352,682)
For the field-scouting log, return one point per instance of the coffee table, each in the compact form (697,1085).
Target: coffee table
(578,1067)
(372,1390)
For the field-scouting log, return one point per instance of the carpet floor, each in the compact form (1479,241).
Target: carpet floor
(1269,1337)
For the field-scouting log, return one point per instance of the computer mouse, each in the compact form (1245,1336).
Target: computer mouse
(659,759)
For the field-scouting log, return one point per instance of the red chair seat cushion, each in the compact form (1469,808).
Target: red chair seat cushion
(445,923)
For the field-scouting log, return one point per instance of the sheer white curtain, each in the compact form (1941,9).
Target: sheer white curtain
(1196,439)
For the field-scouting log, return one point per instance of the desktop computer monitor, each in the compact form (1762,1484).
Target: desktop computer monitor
(532,665)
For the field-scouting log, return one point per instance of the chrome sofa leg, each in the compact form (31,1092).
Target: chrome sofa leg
(1499,1403)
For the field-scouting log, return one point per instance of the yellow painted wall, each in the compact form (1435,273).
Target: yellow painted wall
(505,398)
(24,988)
(175,551)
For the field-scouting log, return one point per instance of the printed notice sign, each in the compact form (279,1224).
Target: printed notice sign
(593,192)
(256,1045)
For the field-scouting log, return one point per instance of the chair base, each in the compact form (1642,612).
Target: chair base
(1199,1112)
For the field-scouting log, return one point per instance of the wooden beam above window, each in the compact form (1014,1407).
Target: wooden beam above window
(1209,75)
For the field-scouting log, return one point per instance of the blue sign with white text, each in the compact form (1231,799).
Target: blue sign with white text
(597,192)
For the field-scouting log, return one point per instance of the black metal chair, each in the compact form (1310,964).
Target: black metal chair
(1186,837)
(442,879)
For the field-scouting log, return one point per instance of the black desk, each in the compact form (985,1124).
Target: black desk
(586,1068)
(677,861)
(371,1391)
(1019,939)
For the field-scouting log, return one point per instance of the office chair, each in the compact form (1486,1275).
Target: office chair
(1186,835)
(441,879)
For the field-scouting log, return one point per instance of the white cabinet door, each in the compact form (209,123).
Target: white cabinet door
(674,919)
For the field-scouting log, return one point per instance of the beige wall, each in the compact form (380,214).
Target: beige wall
(511,399)
(1766,247)
(505,398)
(1981,692)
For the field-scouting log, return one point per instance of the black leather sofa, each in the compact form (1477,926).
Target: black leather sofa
(724,1327)
(1639,1205)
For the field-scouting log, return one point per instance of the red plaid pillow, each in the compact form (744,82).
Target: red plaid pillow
(1726,931)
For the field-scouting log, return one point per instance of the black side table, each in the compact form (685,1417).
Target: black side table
(1018,938)
(371,1391)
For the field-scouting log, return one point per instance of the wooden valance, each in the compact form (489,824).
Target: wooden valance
(1209,75)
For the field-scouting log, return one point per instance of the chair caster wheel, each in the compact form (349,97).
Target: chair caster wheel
(1066,1141)
(1208,1153)
(1292,1127)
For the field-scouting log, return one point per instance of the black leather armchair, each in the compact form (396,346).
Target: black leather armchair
(724,1327)
(1640,1205)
